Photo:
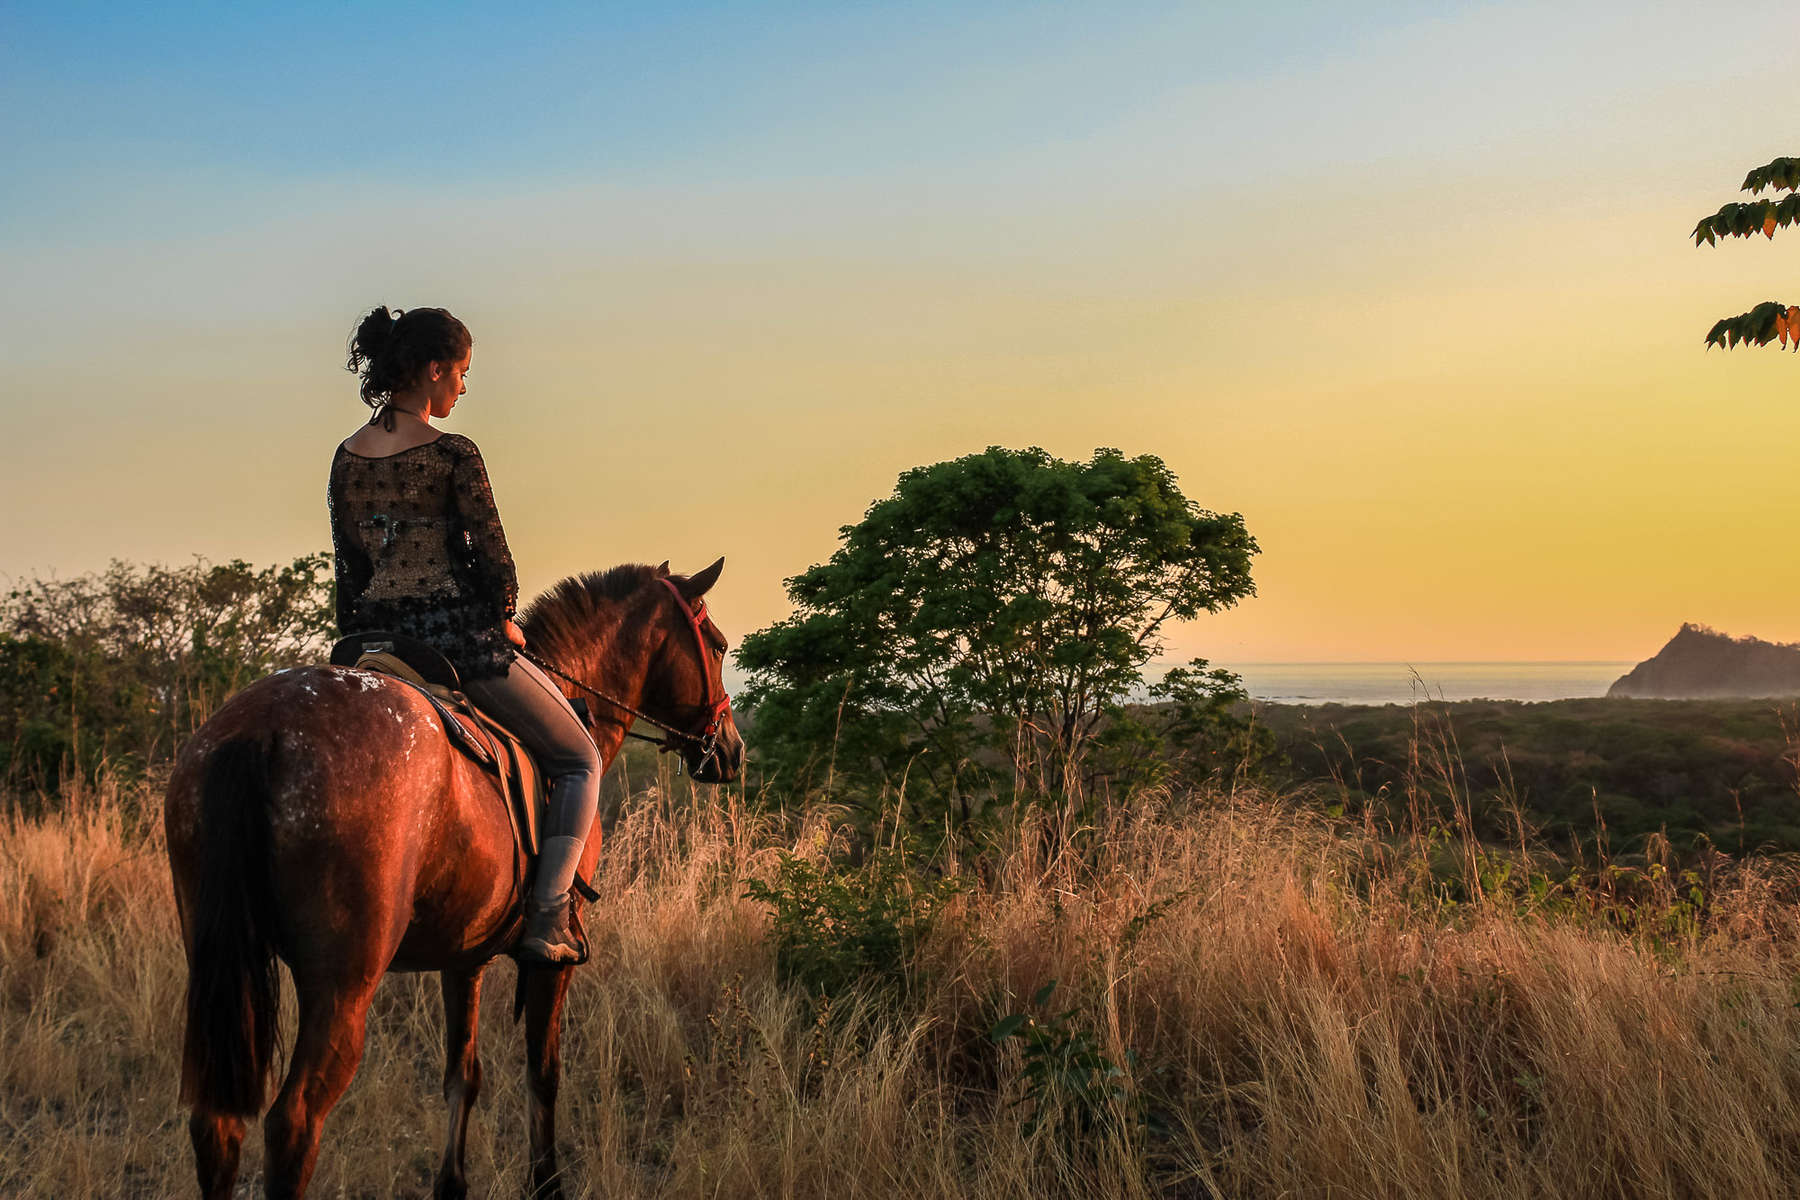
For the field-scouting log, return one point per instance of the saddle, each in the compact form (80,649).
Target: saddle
(477,735)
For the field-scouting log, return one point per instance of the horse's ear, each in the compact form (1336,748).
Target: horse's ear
(696,586)
(663,570)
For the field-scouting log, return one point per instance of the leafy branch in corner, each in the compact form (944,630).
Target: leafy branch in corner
(1770,321)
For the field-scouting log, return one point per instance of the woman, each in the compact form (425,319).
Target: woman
(420,551)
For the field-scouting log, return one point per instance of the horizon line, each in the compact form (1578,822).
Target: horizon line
(1439,662)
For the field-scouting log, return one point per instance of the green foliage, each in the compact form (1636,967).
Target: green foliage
(1770,321)
(1202,731)
(1211,727)
(1782,175)
(1069,1080)
(1718,772)
(118,667)
(976,626)
(1438,873)
(1746,219)
(838,927)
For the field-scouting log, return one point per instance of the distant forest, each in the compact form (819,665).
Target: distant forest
(1718,770)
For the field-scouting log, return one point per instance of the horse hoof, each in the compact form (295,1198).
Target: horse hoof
(450,1189)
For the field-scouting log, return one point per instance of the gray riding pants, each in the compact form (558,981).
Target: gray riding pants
(526,702)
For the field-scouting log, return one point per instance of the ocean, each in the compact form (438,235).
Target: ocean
(1403,683)
(1393,682)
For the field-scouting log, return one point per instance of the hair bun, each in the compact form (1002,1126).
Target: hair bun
(372,336)
(376,328)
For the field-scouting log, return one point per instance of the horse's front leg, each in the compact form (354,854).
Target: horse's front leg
(462,1075)
(545,988)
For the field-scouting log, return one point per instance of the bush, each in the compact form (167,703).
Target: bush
(836,927)
(1069,1080)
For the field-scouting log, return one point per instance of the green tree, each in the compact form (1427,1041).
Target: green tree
(1202,730)
(122,665)
(974,629)
(1770,321)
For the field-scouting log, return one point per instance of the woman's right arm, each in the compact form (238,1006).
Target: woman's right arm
(351,564)
(488,557)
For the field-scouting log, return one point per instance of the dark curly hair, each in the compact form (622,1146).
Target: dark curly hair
(390,350)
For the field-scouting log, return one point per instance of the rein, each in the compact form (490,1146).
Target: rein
(707,740)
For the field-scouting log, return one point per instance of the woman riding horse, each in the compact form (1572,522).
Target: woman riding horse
(324,820)
(420,551)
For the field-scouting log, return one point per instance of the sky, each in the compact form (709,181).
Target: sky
(1407,285)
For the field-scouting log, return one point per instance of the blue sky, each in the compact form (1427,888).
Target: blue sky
(572,89)
(1353,270)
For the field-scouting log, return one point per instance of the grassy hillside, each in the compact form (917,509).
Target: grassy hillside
(1722,770)
(1293,1006)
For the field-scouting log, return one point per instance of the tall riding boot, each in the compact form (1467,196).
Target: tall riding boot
(549,936)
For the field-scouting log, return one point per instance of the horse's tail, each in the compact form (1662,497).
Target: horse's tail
(234,989)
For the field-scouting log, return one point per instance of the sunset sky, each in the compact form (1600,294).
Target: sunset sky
(1410,289)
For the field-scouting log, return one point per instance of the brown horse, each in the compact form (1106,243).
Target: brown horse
(323,818)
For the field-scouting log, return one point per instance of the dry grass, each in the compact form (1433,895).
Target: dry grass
(1303,1023)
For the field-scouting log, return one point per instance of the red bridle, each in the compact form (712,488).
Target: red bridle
(716,705)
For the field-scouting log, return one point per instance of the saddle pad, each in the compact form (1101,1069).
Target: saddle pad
(527,795)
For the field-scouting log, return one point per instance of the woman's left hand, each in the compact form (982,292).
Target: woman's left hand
(515,635)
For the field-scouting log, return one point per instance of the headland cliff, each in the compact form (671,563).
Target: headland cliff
(1703,664)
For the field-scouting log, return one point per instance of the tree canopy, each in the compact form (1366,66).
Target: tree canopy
(118,667)
(1770,321)
(982,620)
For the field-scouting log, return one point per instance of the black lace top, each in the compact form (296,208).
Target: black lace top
(420,551)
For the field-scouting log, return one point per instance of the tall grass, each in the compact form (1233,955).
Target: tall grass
(1296,1007)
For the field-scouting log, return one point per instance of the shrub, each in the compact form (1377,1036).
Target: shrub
(1068,1078)
(837,926)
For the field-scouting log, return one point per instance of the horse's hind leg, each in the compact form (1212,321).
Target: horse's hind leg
(217,1139)
(462,1075)
(333,1019)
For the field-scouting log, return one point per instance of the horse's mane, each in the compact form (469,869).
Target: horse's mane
(565,614)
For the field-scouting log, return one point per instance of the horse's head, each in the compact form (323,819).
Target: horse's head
(685,684)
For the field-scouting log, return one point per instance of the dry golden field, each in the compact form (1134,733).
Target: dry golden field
(1298,1010)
